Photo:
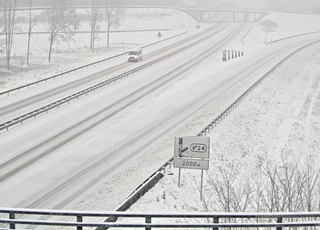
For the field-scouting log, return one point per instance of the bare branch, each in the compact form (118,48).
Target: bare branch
(61,22)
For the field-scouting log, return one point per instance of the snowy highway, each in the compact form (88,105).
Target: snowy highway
(55,159)
(18,104)
(39,146)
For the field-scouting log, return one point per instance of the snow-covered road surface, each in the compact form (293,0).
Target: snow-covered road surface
(35,178)
(108,140)
(19,103)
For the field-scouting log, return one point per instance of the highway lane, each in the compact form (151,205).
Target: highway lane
(26,101)
(40,178)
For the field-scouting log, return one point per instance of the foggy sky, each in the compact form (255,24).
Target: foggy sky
(286,5)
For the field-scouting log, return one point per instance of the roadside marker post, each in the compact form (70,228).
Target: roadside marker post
(224,55)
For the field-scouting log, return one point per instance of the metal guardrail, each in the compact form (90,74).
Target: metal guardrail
(239,99)
(65,100)
(83,67)
(212,220)
(293,36)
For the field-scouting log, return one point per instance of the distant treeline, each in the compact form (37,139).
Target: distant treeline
(43,3)
(40,3)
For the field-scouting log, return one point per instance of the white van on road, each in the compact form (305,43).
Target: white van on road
(135,55)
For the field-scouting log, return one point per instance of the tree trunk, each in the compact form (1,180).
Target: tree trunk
(6,29)
(108,35)
(92,25)
(9,20)
(29,35)
(93,37)
(50,48)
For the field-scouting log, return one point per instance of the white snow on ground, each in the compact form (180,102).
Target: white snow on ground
(272,118)
(281,114)
(77,53)
(279,25)
(261,124)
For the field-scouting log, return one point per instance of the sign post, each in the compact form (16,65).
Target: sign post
(159,35)
(192,153)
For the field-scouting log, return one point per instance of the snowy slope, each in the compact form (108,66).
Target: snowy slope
(280,118)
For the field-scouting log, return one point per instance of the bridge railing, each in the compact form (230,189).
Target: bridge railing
(159,220)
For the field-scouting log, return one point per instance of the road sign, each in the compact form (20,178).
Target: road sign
(189,152)
(191,163)
(193,147)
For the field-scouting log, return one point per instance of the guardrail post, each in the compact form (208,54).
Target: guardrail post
(79,219)
(12,217)
(279,220)
(215,221)
(148,221)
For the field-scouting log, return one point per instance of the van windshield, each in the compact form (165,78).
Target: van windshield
(133,53)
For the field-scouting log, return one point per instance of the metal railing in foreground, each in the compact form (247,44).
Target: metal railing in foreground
(161,220)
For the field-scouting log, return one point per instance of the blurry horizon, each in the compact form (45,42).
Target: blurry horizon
(303,6)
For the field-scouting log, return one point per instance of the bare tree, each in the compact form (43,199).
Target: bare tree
(286,185)
(311,185)
(62,23)
(9,15)
(231,195)
(95,16)
(289,186)
(1,24)
(114,14)
(33,19)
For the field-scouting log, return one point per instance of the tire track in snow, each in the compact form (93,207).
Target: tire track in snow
(43,149)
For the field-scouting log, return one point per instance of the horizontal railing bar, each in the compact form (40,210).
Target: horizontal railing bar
(161,215)
(160,225)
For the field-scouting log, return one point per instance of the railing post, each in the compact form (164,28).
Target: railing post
(279,220)
(79,219)
(148,221)
(12,217)
(215,221)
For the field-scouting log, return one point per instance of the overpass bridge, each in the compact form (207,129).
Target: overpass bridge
(204,14)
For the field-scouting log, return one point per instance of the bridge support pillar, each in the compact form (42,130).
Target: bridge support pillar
(234,16)
(254,17)
(201,16)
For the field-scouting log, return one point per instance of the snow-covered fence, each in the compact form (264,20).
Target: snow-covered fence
(158,220)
